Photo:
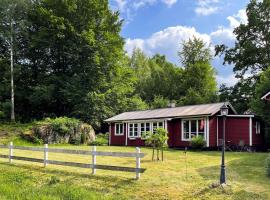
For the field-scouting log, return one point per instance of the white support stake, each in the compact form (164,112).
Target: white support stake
(138,162)
(45,154)
(94,160)
(10,151)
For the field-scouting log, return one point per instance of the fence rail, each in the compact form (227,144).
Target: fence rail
(138,155)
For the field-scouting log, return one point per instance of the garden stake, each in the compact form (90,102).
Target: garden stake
(185,152)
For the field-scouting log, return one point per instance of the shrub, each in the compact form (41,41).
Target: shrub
(267,165)
(63,130)
(197,142)
(101,140)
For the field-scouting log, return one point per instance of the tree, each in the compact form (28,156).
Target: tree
(199,76)
(157,141)
(251,53)
(260,107)
(160,102)
(12,25)
(194,50)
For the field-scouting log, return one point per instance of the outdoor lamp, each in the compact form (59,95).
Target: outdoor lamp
(224,110)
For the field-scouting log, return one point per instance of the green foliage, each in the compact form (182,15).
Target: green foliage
(259,106)
(62,125)
(101,140)
(197,142)
(250,54)
(157,140)
(160,102)
(199,80)
(194,50)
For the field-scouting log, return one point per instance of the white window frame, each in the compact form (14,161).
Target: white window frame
(258,128)
(197,128)
(117,131)
(144,122)
(138,129)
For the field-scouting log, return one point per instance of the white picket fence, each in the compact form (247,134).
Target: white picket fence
(94,153)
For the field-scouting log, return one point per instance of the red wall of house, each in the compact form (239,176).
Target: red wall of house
(175,134)
(213,131)
(121,139)
(237,128)
(257,139)
(117,139)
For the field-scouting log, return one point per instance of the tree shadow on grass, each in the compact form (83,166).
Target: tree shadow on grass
(107,181)
(241,173)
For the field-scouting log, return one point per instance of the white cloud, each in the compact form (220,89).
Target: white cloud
(169,3)
(207,7)
(121,4)
(167,41)
(229,80)
(225,34)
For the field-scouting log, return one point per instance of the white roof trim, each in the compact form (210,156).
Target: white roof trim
(237,115)
(264,97)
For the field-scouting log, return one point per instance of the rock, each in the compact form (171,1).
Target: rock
(79,133)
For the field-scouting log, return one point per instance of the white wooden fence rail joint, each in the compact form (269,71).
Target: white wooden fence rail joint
(94,159)
(10,151)
(138,163)
(45,155)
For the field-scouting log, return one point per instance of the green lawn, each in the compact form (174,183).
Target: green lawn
(161,180)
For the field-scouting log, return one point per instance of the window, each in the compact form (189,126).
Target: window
(145,127)
(192,128)
(157,125)
(133,130)
(119,129)
(258,127)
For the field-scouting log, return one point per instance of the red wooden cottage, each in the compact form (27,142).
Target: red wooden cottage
(266,96)
(182,123)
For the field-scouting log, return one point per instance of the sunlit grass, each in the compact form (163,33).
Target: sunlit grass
(161,180)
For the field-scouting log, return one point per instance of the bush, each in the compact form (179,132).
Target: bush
(267,165)
(63,130)
(101,140)
(197,142)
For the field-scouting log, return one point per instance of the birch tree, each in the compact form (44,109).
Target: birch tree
(12,18)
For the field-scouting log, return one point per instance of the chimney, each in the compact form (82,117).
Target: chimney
(171,105)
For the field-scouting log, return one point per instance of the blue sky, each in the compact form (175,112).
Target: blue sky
(159,26)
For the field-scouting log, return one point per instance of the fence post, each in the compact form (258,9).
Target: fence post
(10,151)
(94,160)
(138,162)
(45,154)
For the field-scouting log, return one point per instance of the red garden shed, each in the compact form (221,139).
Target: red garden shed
(182,123)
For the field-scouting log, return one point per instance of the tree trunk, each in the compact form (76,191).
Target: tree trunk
(12,117)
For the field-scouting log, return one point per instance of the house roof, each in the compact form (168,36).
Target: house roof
(177,112)
(266,96)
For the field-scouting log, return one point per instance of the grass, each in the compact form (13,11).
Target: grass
(162,180)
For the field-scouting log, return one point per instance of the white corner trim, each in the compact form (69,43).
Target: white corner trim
(250,131)
(127,129)
(110,129)
(207,131)
(217,131)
